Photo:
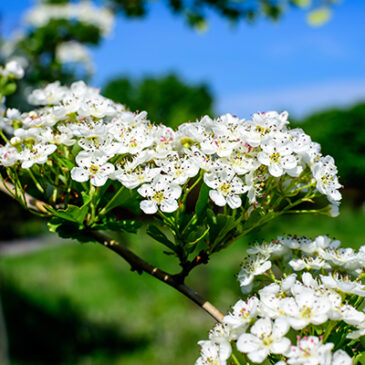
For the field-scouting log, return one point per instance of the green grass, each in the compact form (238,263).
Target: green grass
(81,305)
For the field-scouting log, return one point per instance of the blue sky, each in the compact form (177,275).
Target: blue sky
(286,65)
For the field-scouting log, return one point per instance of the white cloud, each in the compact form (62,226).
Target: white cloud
(299,101)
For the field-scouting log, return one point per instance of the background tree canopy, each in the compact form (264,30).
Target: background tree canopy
(166,99)
(196,12)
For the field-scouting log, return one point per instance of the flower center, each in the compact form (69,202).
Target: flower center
(158,197)
(93,169)
(275,157)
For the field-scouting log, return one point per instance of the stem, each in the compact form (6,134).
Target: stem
(328,330)
(235,359)
(105,209)
(3,135)
(37,184)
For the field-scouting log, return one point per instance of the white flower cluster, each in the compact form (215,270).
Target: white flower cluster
(74,52)
(303,289)
(233,156)
(83,11)
(12,69)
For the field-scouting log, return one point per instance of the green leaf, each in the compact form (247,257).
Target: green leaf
(202,201)
(319,16)
(197,235)
(159,236)
(128,199)
(9,89)
(118,225)
(302,3)
(68,230)
(72,213)
(220,225)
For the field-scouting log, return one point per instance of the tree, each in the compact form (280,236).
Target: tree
(167,99)
(196,12)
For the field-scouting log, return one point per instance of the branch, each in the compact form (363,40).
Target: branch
(136,262)
(32,203)
(139,265)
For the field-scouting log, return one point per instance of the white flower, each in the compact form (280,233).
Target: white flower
(251,267)
(52,94)
(277,154)
(75,52)
(13,114)
(213,353)
(139,175)
(324,171)
(305,308)
(84,12)
(359,332)
(345,258)
(272,249)
(309,263)
(92,166)
(14,69)
(271,296)
(227,188)
(343,284)
(164,139)
(351,316)
(265,338)
(243,312)
(179,168)
(340,357)
(160,193)
(37,154)
(310,351)
(8,156)
(133,139)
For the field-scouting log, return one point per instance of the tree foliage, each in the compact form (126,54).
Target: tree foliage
(167,99)
(196,12)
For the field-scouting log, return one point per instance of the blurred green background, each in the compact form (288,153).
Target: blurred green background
(68,303)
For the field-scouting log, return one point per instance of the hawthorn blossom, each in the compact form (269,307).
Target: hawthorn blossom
(213,353)
(251,267)
(8,156)
(92,166)
(243,312)
(305,308)
(310,351)
(160,193)
(277,155)
(266,337)
(227,188)
(324,171)
(37,154)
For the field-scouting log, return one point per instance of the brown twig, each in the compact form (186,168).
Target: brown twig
(136,262)
(139,265)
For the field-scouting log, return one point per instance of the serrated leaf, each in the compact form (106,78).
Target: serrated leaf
(122,225)
(68,230)
(159,236)
(72,213)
